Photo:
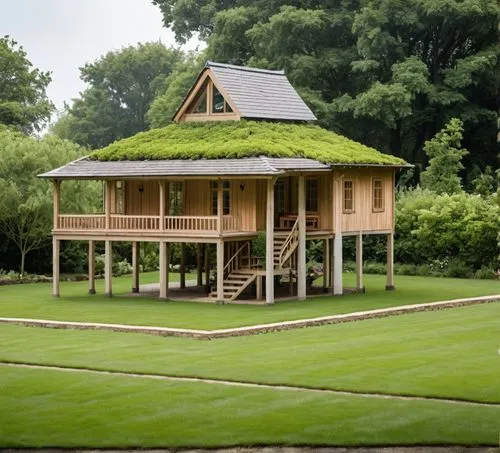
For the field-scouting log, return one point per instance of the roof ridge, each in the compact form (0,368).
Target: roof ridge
(210,64)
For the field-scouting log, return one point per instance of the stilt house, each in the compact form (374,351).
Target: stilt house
(241,158)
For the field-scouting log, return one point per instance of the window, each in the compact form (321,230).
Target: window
(176,198)
(312,195)
(219,104)
(119,197)
(348,198)
(378,194)
(226,197)
(199,103)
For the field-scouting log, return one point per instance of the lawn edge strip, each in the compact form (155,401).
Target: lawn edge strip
(246,384)
(253,329)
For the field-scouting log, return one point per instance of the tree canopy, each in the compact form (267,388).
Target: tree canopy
(388,73)
(23,100)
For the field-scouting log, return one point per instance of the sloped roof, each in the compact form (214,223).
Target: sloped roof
(261,93)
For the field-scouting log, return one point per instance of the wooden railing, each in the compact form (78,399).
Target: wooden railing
(290,244)
(241,257)
(147,223)
(81,222)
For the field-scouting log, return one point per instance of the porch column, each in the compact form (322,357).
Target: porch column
(301,251)
(56,248)
(163,195)
(258,285)
(56,206)
(326,264)
(270,242)
(220,270)
(390,262)
(207,269)
(183,266)
(108,268)
(136,252)
(220,207)
(107,203)
(91,259)
(199,276)
(164,265)
(359,263)
(338,289)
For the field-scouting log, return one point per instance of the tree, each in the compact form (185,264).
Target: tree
(23,101)
(388,73)
(121,87)
(445,160)
(26,201)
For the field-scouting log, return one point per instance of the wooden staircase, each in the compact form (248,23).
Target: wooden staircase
(241,269)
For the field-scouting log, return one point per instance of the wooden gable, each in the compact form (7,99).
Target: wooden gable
(207,101)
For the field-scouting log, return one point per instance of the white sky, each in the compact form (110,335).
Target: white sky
(62,35)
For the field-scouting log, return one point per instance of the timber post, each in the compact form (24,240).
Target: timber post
(301,250)
(338,288)
(56,246)
(390,262)
(108,269)
(163,197)
(56,196)
(359,263)
(107,203)
(270,242)
(220,270)
(182,284)
(164,265)
(199,276)
(91,268)
(136,251)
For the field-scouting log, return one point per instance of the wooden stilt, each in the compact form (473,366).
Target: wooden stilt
(338,287)
(91,267)
(220,271)
(108,269)
(270,242)
(301,249)
(56,248)
(136,251)
(326,265)
(390,263)
(359,263)
(199,275)
(183,266)
(259,287)
(207,269)
(164,263)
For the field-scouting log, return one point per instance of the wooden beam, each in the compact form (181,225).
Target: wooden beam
(56,248)
(56,195)
(136,252)
(183,266)
(220,207)
(359,262)
(108,268)
(326,263)
(199,275)
(301,250)
(164,265)
(207,269)
(107,203)
(338,288)
(259,287)
(390,263)
(270,242)
(220,271)
(91,259)
(163,196)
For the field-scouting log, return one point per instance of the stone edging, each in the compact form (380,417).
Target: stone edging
(255,329)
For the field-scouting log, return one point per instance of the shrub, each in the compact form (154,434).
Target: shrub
(374,268)
(486,273)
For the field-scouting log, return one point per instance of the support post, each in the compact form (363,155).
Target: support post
(107,203)
(136,252)
(56,248)
(108,269)
(259,287)
(207,270)
(338,288)
(390,262)
(91,259)
(183,266)
(326,264)
(199,275)
(164,264)
(301,250)
(220,270)
(220,208)
(163,195)
(270,242)
(359,263)
(56,206)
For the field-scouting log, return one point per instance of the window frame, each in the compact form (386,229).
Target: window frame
(227,190)
(377,179)
(182,200)
(120,197)
(352,209)
(314,179)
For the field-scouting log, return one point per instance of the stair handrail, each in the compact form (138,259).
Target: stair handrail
(227,267)
(290,240)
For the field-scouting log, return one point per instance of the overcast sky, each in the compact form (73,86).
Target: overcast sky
(62,35)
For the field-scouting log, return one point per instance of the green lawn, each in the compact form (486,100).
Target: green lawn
(450,353)
(59,409)
(35,301)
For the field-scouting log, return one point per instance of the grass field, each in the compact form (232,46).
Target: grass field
(35,301)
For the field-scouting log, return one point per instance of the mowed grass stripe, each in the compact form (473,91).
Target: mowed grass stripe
(35,301)
(42,408)
(31,366)
(448,354)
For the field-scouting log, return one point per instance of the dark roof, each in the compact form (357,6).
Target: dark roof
(261,93)
(86,168)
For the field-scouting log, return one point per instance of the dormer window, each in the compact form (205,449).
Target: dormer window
(199,103)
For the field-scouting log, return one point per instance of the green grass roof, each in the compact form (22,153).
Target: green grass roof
(236,139)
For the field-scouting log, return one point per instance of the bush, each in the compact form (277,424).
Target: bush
(486,273)
(374,268)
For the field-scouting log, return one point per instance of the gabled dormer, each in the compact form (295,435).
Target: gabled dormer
(228,92)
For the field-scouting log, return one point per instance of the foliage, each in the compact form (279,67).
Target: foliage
(242,139)
(432,227)
(445,156)
(485,183)
(121,87)
(23,101)
(26,202)
(387,73)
